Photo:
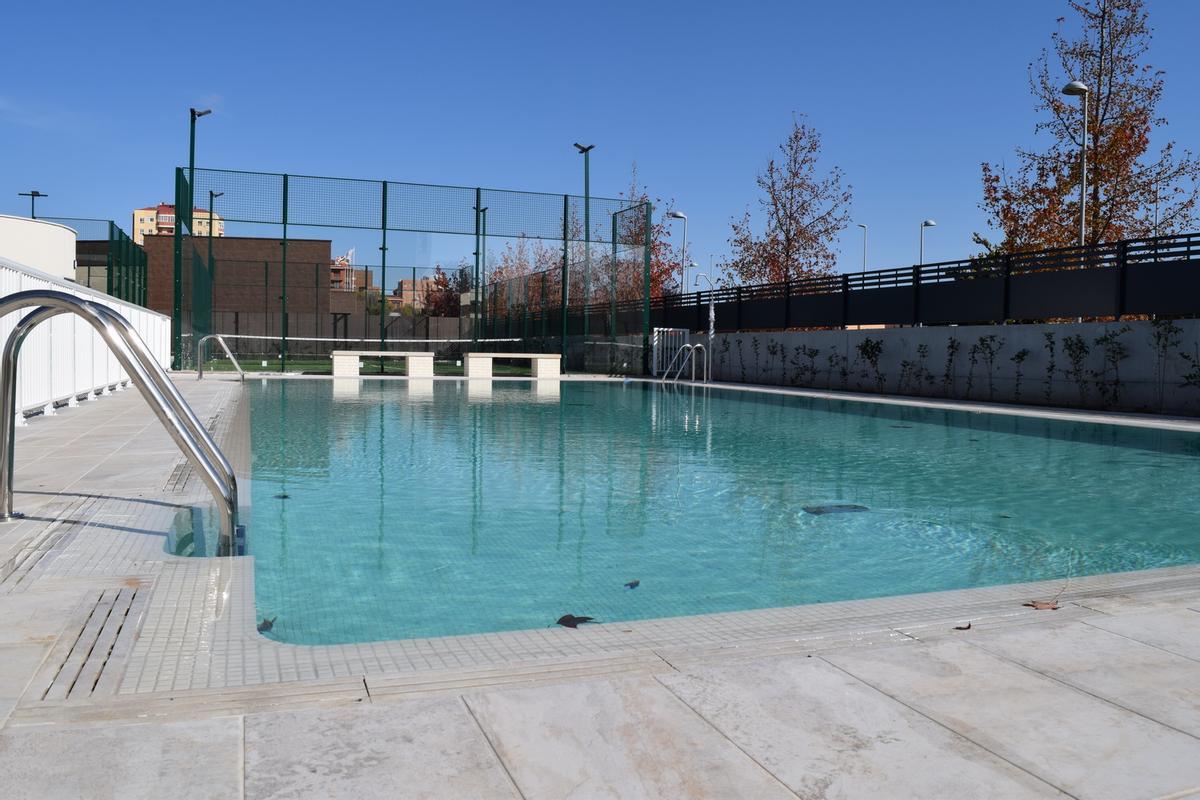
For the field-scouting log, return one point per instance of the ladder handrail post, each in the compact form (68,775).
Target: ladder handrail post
(144,372)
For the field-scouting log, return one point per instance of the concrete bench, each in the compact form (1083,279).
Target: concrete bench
(545,365)
(346,362)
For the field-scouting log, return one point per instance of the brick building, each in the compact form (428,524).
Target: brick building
(247,281)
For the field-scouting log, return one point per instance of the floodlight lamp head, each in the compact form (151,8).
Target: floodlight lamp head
(928,224)
(583,148)
(862,225)
(1076,88)
(676,215)
(196,113)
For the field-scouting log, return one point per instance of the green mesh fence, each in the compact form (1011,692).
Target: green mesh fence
(601,322)
(107,260)
(556,229)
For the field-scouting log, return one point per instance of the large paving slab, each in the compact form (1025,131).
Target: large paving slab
(1083,745)
(1153,682)
(18,664)
(615,738)
(199,760)
(826,734)
(1177,630)
(425,748)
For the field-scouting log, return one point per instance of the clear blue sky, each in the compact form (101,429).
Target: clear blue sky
(910,98)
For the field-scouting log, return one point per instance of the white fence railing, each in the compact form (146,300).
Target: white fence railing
(64,358)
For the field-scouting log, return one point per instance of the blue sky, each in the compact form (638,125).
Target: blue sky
(909,97)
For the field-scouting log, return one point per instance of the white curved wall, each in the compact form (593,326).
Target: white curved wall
(45,246)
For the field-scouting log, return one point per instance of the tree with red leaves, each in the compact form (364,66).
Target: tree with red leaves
(1036,205)
(804,209)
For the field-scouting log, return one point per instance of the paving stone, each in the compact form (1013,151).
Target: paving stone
(425,748)
(1146,679)
(1177,630)
(615,738)
(18,663)
(826,734)
(1083,745)
(179,760)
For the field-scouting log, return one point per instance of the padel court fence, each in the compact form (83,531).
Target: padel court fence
(599,247)
(107,260)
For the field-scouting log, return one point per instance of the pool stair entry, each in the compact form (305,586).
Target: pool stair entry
(145,373)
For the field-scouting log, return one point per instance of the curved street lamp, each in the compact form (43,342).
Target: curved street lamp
(926,224)
(1080,89)
(683,251)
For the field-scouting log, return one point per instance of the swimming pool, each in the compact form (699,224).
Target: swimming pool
(400,509)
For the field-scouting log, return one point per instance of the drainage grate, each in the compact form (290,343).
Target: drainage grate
(90,655)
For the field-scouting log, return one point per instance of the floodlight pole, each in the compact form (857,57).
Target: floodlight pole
(33,195)
(864,227)
(383,273)
(586,151)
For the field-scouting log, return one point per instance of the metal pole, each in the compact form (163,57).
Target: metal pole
(483,264)
(683,256)
(587,239)
(921,260)
(177,287)
(383,275)
(648,246)
(283,319)
(1083,177)
(475,289)
(565,277)
(864,264)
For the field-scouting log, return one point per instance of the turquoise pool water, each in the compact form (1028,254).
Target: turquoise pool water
(389,510)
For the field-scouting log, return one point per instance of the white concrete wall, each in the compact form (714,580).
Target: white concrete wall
(1151,367)
(45,246)
(64,359)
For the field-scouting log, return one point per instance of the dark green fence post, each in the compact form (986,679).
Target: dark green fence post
(477,312)
(612,289)
(177,288)
(283,318)
(383,275)
(565,276)
(648,247)
(109,261)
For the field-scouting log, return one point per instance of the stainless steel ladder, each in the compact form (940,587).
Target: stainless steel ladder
(688,354)
(151,380)
(225,347)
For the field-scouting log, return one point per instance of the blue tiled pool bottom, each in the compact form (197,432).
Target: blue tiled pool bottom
(392,509)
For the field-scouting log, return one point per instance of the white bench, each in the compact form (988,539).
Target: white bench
(346,362)
(545,365)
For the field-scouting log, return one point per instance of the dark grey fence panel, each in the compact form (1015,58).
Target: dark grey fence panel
(1168,288)
(975,300)
(816,310)
(1065,293)
(892,306)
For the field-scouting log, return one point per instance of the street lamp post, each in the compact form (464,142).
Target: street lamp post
(864,227)
(33,195)
(1080,89)
(211,197)
(683,251)
(585,151)
(177,289)
(925,224)
(712,310)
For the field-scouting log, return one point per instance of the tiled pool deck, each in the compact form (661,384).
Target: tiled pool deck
(127,672)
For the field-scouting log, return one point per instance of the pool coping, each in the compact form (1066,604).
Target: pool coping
(197,634)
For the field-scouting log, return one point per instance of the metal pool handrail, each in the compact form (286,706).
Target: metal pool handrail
(225,347)
(145,373)
(688,351)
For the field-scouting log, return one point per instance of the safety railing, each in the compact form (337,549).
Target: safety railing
(229,353)
(160,393)
(684,355)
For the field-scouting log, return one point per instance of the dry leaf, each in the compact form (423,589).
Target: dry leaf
(1042,605)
